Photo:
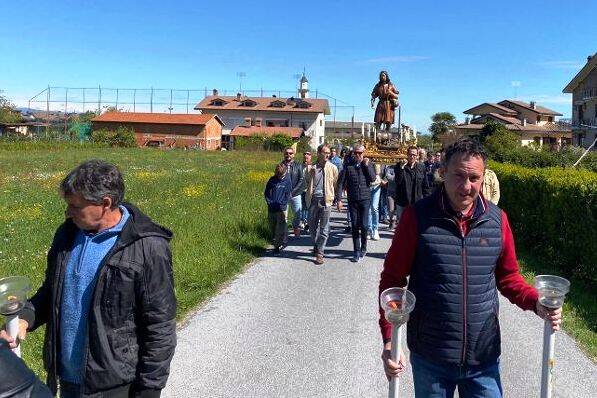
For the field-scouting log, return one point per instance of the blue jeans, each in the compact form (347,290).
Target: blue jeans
(304,209)
(434,380)
(374,211)
(296,206)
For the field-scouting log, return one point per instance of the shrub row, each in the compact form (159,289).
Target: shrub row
(553,212)
(276,142)
(123,137)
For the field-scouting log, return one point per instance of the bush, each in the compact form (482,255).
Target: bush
(123,137)
(275,142)
(553,211)
(504,146)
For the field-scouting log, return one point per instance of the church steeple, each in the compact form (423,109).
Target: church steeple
(304,86)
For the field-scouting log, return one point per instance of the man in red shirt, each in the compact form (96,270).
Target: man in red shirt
(457,250)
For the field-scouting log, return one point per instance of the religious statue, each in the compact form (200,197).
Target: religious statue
(388,102)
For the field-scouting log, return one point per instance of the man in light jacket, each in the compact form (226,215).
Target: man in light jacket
(320,195)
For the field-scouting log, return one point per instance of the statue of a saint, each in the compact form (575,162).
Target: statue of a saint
(388,101)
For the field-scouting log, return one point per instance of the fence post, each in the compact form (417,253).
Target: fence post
(47,111)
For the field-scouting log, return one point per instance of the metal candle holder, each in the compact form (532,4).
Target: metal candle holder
(552,292)
(13,294)
(397,304)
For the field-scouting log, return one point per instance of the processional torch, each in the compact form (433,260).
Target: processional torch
(13,294)
(397,303)
(552,291)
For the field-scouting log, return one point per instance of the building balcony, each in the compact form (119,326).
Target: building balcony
(588,93)
(591,122)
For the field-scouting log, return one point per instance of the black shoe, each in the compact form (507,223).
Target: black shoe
(306,228)
(277,251)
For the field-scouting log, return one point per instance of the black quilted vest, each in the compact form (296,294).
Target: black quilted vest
(455,319)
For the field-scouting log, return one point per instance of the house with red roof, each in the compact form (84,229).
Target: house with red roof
(286,114)
(531,122)
(176,130)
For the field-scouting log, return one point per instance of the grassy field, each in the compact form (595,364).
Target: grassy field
(212,201)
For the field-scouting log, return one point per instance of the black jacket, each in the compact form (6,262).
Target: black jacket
(132,327)
(297,177)
(356,181)
(404,184)
(16,379)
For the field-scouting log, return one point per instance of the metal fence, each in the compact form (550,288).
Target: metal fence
(69,100)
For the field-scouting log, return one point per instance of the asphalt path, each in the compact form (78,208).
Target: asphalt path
(289,328)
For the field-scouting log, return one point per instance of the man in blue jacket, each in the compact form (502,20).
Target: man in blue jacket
(108,296)
(278,192)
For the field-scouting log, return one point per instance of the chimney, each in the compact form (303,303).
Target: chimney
(238,96)
(215,92)
(248,121)
(258,121)
(533,105)
(524,122)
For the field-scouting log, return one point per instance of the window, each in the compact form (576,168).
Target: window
(550,119)
(321,120)
(218,102)
(248,102)
(278,104)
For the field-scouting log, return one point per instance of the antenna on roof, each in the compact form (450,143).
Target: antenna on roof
(241,75)
(515,84)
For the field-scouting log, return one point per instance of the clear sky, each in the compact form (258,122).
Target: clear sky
(442,55)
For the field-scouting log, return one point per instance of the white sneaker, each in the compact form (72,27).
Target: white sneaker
(375,235)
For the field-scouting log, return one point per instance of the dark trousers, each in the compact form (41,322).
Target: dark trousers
(69,390)
(359,219)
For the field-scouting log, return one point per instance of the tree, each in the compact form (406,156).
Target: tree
(426,141)
(8,113)
(443,123)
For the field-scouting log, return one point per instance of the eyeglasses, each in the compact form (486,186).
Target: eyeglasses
(289,153)
(358,153)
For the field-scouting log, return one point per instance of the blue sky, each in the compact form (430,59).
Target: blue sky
(443,56)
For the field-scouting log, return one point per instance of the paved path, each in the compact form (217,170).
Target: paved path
(288,328)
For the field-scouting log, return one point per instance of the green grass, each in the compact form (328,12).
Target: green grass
(580,307)
(212,201)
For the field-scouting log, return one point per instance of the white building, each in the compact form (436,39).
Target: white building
(303,112)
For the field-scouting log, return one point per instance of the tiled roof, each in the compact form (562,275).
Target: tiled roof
(539,109)
(294,132)
(312,105)
(498,107)
(545,128)
(160,118)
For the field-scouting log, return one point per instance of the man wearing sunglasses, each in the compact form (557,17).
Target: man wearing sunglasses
(356,179)
(411,181)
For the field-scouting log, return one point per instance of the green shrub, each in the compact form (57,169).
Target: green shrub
(276,142)
(553,212)
(123,137)
(504,146)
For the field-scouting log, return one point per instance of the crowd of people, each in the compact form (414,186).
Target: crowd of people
(376,194)
(108,304)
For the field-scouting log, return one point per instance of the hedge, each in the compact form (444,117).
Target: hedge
(553,212)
